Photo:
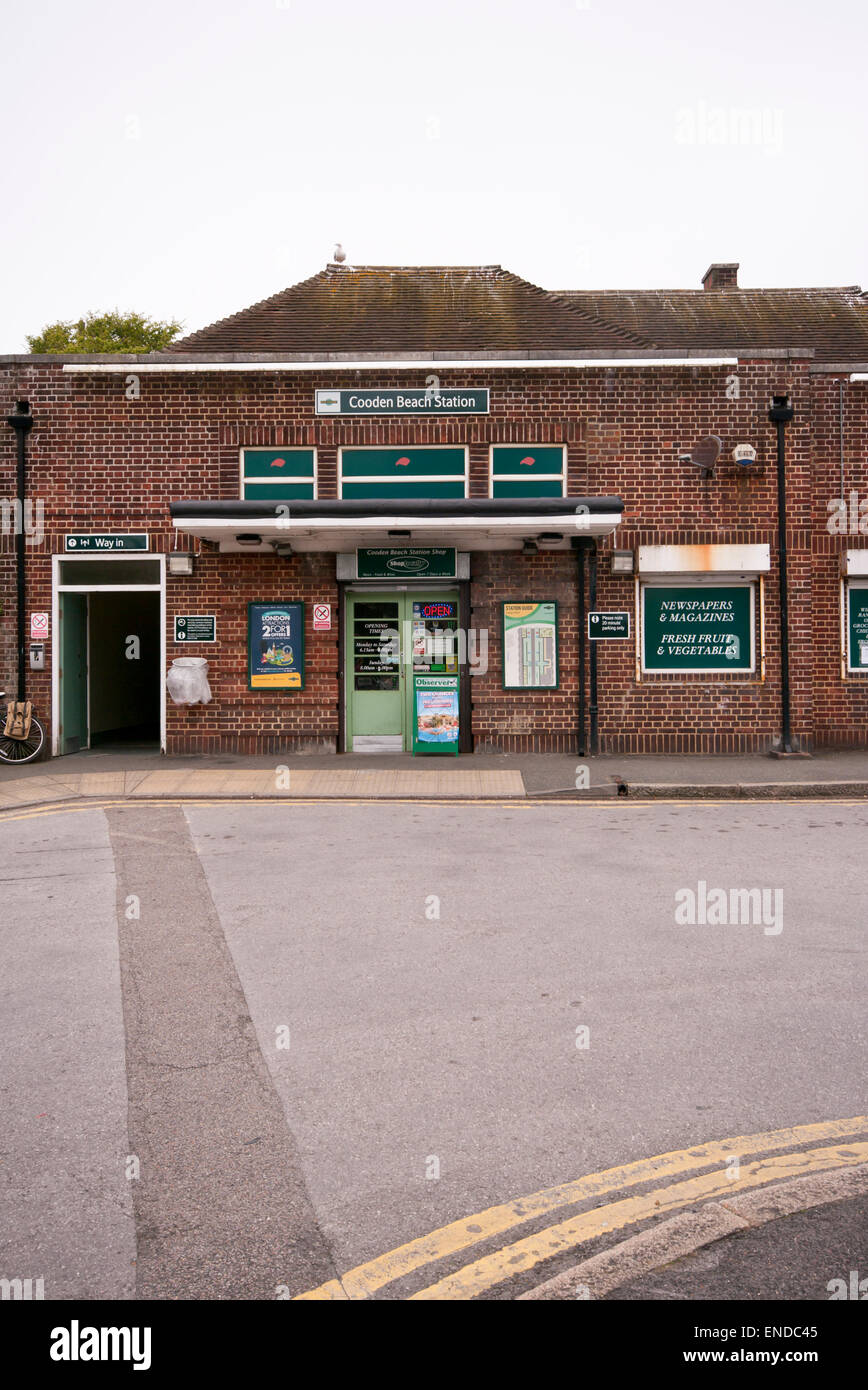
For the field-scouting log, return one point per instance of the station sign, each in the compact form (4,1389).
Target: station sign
(196,627)
(404,400)
(105,540)
(604,624)
(431,562)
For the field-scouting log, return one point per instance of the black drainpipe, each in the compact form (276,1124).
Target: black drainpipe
(21,421)
(580,547)
(592,599)
(781,413)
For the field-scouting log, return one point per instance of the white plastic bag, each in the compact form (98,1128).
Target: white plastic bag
(187,681)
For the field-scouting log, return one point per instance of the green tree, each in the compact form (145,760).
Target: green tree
(111,332)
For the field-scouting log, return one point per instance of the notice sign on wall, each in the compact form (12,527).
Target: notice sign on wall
(694,627)
(530,646)
(857,627)
(602,625)
(275,646)
(196,627)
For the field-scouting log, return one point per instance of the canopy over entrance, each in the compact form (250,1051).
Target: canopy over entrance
(469,523)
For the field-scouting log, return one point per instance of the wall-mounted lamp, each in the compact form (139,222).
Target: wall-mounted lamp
(622,562)
(529,548)
(399,535)
(247,538)
(180,562)
(549,539)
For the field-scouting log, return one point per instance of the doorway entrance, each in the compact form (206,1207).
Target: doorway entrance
(392,635)
(108,652)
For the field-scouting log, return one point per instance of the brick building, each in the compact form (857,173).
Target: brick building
(319,493)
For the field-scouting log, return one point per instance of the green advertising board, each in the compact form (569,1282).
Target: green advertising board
(530,646)
(408,562)
(435,714)
(697,627)
(857,627)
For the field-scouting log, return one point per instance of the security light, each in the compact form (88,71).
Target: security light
(622,562)
(282,548)
(180,562)
(529,548)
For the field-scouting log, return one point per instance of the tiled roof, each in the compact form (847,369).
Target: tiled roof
(485,309)
(403,309)
(832,321)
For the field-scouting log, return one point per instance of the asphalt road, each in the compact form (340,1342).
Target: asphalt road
(324,1030)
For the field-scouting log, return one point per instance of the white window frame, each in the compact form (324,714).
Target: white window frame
(846,586)
(524,477)
(390,477)
(57,589)
(296,477)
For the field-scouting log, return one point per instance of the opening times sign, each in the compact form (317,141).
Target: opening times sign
(694,627)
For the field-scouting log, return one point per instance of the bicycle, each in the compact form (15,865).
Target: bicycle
(20,748)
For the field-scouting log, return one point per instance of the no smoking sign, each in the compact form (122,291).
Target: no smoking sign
(322,617)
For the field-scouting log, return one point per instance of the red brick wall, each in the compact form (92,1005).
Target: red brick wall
(102,462)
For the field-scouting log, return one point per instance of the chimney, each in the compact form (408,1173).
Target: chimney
(721,275)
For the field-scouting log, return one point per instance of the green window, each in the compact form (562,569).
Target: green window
(857,625)
(274,475)
(698,627)
(403,473)
(528,470)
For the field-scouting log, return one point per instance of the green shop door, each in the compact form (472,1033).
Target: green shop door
(74,731)
(392,635)
(374,680)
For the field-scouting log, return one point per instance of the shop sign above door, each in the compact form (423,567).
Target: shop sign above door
(408,400)
(407,563)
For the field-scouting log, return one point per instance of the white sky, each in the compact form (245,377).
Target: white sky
(185,158)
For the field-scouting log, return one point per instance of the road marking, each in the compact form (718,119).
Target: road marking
(523,1255)
(366,1278)
(688,1231)
(54,808)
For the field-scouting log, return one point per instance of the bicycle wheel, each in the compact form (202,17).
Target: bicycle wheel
(23,750)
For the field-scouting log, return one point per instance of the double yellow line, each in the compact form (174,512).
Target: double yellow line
(520,1256)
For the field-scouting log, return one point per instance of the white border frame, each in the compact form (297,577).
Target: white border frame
(846,585)
(57,588)
(705,581)
(390,477)
(523,477)
(290,449)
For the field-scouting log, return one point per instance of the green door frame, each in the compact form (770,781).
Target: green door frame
(404,595)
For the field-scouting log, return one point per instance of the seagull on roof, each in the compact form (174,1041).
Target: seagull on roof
(339,254)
